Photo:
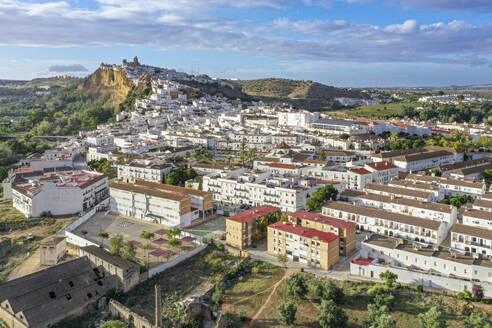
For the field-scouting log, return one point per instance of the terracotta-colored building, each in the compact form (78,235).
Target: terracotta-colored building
(344,229)
(241,229)
(306,245)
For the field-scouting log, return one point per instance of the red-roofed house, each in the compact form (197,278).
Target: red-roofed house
(344,229)
(300,244)
(358,178)
(242,230)
(382,172)
(281,168)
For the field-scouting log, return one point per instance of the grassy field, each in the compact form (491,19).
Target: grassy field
(257,289)
(9,213)
(382,110)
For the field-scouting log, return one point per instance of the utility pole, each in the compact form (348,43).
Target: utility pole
(158,306)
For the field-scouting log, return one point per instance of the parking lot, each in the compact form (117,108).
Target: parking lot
(155,250)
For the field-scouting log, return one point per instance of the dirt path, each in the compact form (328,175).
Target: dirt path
(260,310)
(226,305)
(30,265)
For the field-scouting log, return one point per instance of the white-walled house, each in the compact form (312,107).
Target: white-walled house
(388,223)
(60,193)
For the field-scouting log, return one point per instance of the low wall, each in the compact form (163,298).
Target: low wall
(163,267)
(81,220)
(77,240)
(133,319)
(419,278)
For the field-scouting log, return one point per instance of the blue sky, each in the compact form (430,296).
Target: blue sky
(351,43)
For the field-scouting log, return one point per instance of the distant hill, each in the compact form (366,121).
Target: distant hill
(303,94)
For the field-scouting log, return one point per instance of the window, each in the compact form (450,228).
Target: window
(52,294)
(70,283)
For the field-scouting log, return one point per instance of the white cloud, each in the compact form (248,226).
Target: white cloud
(189,24)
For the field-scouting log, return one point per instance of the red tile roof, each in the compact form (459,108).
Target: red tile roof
(361,171)
(321,218)
(160,232)
(159,252)
(188,239)
(304,232)
(160,241)
(254,213)
(381,166)
(283,166)
(363,261)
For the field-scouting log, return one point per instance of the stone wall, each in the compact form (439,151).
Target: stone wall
(133,319)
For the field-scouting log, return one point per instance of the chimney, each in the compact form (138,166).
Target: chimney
(158,306)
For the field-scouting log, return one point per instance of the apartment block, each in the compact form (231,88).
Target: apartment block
(60,193)
(343,229)
(472,239)
(388,223)
(143,170)
(305,245)
(151,204)
(242,229)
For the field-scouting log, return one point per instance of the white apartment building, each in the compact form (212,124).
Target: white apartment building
(429,266)
(437,191)
(427,160)
(337,127)
(382,172)
(482,204)
(352,178)
(477,218)
(151,204)
(143,169)
(388,223)
(60,193)
(427,210)
(452,187)
(289,194)
(472,239)
(391,191)
(296,119)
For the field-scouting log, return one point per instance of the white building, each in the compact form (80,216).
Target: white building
(151,204)
(429,266)
(143,169)
(60,193)
(388,223)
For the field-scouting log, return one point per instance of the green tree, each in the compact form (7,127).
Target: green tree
(4,173)
(322,155)
(432,318)
(330,291)
(103,235)
(115,244)
(147,235)
(332,316)
(128,251)
(344,136)
(388,277)
(282,258)
(478,320)
(113,324)
(173,232)
(320,196)
(286,313)
(297,286)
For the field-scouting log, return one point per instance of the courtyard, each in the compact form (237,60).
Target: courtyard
(153,251)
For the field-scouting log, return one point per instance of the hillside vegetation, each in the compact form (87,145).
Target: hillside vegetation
(302,94)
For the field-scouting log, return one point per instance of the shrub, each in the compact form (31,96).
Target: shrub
(420,288)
